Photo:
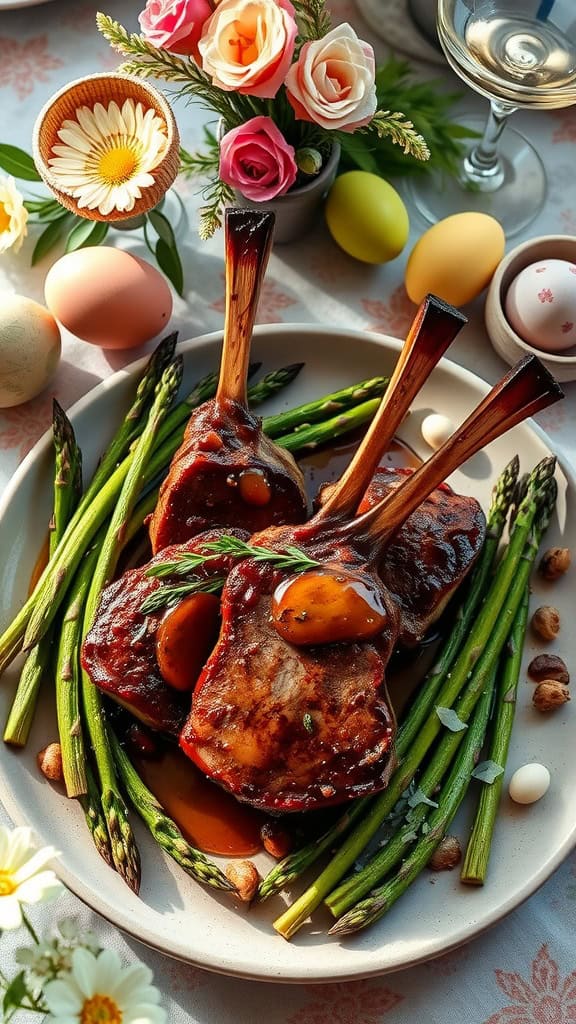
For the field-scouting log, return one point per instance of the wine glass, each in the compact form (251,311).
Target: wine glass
(517,53)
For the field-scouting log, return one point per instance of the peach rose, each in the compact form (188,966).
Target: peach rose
(175,25)
(332,82)
(256,160)
(247,45)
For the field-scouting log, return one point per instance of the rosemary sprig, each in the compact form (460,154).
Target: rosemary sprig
(291,558)
(313,18)
(168,597)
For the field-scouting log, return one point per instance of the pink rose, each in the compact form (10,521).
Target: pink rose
(175,25)
(247,45)
(332,82)
(256,160)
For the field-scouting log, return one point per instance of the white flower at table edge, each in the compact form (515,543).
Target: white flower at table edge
(13,216)
(107,155)
(24,878)
(99,990)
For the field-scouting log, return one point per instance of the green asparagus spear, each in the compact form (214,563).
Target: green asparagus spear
(165,831)
(67,676)
(67,490)
(380,900)
(480,638)
(90,803)
(502,497)
(477,856)
(293,865)
(124,851)
(325,408)
(309,437)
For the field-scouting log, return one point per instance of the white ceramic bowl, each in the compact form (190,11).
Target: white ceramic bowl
(509,345)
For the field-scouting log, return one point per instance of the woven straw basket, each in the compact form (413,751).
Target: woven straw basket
(102,89)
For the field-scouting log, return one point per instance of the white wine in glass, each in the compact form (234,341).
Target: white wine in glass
(517,53)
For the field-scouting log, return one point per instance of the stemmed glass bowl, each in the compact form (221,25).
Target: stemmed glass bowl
(519,54)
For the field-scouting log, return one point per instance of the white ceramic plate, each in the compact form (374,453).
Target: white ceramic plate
(174,914)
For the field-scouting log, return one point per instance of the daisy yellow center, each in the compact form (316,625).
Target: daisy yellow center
(4,226)
(7,884)
(117,165)
(100,1010)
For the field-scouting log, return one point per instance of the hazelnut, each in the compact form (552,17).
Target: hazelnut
(49,761)
(548,666)
(550,694)
(554,563)
(447,855)
(546,622)
(244,877)
(275,839)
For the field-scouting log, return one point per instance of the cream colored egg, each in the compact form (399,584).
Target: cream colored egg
(29,349)
(436,429)
(108,297)
(529,783)
(455,259)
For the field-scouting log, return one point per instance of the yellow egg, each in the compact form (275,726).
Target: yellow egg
(108,297)
(367,217)
(29,349)
(455,259)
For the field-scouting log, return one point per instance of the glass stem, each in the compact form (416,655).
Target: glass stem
(483,168)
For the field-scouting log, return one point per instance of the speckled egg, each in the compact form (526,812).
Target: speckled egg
(540,305)
(29,349)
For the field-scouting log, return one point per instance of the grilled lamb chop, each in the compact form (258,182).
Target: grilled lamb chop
(120,653)
(431,554)
(226,471)
(284,717)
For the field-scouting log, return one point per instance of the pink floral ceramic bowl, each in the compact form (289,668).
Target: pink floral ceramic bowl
(506,341)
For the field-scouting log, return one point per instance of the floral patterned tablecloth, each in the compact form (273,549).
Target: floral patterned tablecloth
(524,970)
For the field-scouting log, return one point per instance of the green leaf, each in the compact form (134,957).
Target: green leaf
(49,238)
(86,232)
(18,163)
(15,993)
(169,262)
(487,771)
(419,797)
(162,227)
(450,719)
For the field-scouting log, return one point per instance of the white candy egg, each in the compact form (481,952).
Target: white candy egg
(29,349)
(541,305)
(529,783)
(436,429)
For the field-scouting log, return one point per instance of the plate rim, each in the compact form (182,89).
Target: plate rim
(146,937)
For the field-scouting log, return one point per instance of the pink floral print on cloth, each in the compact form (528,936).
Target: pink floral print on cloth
(546,999)
(392,317)
(360,1002)
(272,300)
(22,64)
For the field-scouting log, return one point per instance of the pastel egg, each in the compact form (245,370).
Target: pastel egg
(529,783)
(367,217)
(455,259)
(541,305)
(29,349)
(108,297)
(436,429)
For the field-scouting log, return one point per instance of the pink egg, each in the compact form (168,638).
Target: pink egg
(541,305)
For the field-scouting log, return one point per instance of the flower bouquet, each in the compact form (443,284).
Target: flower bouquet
(284,85)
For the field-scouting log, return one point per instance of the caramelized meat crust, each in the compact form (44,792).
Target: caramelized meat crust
(226,473)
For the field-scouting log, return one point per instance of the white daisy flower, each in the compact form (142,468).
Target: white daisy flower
(13,216)
(99,990)
(22,878)
(107,155)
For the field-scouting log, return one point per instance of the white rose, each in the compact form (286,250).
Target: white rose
(13,216)
(332,82)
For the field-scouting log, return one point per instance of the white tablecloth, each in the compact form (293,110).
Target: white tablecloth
(524,970)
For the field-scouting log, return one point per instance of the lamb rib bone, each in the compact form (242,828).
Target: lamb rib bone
(226,471)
